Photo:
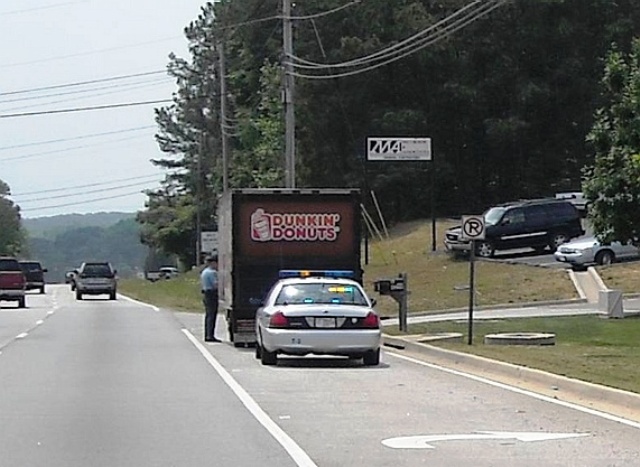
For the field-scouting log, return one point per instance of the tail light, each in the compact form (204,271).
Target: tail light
(278,320)
(371,321)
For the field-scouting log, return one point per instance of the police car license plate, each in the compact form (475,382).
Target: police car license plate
(325,322)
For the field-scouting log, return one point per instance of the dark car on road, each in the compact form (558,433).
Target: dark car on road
(34,274)
(537,224)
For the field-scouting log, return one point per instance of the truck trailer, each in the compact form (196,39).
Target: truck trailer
(263,231)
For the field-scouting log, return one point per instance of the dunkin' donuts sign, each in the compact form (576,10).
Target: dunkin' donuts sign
(292,227)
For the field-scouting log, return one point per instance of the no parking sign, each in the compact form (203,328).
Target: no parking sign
(472,228)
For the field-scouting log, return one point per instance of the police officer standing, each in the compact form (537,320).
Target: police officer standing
(209,285)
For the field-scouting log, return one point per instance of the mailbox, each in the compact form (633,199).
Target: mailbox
(398,285)
(397,289)
(382,286)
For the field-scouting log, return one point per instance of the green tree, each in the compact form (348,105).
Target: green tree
(507,100)
(12,238)
(612,184)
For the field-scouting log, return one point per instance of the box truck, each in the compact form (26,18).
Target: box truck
(264,231)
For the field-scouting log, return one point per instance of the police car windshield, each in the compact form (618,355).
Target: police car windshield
(493,216)
(325,293)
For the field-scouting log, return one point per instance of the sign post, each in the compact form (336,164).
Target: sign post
(473,229)
(208,242)
(406,149)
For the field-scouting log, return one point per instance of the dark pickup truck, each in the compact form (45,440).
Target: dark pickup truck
(12,281)
(34,274)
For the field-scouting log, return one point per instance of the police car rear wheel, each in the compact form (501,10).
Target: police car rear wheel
(371,358)
(268,358)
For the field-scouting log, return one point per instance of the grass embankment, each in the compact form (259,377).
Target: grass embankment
(437,281)
(181,293)
(590,348)
(623,276)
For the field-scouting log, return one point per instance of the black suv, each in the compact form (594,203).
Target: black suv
(34,273)
(536,224)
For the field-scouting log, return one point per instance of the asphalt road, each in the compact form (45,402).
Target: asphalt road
(122,384)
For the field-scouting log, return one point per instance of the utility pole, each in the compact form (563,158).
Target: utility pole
(288,96)
(223,118)
(199,199)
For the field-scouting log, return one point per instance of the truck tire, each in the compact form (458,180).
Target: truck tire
(268,358)
(22,302)
(42,289)
(258,351)
(557,239)
(78,295)
(485,249)
(112,295)
(371,358)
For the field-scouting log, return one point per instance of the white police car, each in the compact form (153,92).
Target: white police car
(317,312)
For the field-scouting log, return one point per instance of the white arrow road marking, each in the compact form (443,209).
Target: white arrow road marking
(422,442)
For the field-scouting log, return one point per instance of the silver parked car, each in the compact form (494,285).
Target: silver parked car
(583,252)
(306,314)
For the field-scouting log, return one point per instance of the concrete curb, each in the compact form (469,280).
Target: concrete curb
(502,306)
(624,404)
(596,278)
(577,285)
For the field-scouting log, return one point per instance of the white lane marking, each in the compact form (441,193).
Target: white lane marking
(300,457)
(153,307)
(422,442)
(39,322)
(570,405)
(22,335)
(50,312)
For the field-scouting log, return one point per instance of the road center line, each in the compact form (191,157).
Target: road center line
(299,456)
(523,392)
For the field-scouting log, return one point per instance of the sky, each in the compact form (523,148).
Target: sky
(86,161)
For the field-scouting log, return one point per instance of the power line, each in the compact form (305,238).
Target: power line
(54,190)
(85,109)
(72,195)
(120,89)
(83,83)
(78,91)
(291,18)
(67,149)
(44,7)
(92,52)
(87,201)
(425,42)
(325,13)
(389,51)
(74,138)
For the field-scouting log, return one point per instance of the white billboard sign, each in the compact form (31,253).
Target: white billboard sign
(399,149)
(208,242)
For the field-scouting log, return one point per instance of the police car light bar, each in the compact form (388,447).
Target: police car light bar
(334,273)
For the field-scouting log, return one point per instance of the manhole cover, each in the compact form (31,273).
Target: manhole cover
(520,338)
